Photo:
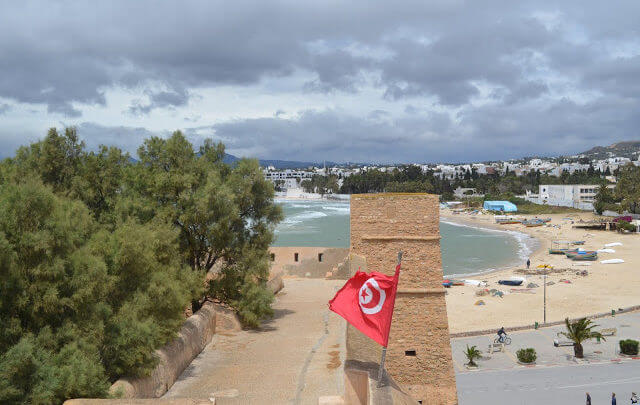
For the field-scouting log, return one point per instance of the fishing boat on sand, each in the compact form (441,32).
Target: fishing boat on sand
(559,247)
(506,219)
(510,282)
(581,254)
(533,222)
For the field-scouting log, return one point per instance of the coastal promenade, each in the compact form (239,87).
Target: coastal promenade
(557,377)
(294,358)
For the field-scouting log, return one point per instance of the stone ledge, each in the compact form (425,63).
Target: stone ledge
(401,237)
(421,291)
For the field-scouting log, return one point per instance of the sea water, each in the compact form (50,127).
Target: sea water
(465,249)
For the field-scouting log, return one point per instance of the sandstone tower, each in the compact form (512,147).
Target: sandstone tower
(419,352)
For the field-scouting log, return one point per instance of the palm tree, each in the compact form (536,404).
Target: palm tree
(472,353)
(580,331)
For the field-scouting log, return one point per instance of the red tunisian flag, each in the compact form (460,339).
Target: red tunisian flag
(366,301)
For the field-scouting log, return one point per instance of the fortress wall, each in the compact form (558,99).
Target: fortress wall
(284,260)
(419,352)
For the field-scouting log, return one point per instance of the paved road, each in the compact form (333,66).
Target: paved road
(557,378)
(296,358)
(550,385)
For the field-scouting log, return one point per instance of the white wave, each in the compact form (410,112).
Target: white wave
(339,210)
(303,216)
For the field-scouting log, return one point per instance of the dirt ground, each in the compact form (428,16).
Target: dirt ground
(294,358)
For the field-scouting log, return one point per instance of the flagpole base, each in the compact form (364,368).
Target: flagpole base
(381,369)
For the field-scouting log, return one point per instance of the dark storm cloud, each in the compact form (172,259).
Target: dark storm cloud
(126,138)
(548,74)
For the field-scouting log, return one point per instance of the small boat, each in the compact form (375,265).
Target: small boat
(559,247)
(530,224)
(577,242)
(612,261)
(446,283)
(586,255)
(510,282)
(505,219)
(457,282)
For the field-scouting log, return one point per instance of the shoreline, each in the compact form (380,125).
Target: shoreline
(574,289)
(535,247)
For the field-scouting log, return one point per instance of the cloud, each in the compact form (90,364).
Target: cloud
(390,81)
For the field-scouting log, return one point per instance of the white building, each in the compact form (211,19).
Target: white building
(578,196)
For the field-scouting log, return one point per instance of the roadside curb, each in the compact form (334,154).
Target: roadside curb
(492,331)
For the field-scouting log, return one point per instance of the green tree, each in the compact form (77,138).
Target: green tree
(56,159)
(81,300)
(472,353)
(580,331)
(628,188)
(223,215)
(604,199)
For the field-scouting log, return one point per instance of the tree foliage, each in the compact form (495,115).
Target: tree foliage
(628,188)
(580,331)
(100,256)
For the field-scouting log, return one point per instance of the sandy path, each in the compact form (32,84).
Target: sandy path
(296,357)
(606,287)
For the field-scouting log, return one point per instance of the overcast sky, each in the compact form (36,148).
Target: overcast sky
(393,81)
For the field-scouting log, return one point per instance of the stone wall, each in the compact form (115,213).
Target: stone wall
(175,356)
(419,352)
(308,264)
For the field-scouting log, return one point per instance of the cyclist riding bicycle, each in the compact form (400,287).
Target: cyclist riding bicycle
(501,334)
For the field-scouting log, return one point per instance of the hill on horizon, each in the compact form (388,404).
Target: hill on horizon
(628,149)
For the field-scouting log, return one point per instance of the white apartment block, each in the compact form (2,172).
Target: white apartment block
(578,196)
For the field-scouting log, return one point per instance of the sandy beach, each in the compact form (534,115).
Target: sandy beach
(606,287)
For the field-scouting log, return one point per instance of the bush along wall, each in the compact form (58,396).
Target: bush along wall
(629,347)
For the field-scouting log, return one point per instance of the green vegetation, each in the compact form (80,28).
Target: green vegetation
(320,184)
(625,226)
(580,331)
(629,347)
(527,355)
(626,194)
(410,178)
(472,353)
(100,257)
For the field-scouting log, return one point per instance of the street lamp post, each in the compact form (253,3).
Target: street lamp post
(545,297)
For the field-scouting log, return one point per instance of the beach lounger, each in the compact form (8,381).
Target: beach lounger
(608,331)
(561,340)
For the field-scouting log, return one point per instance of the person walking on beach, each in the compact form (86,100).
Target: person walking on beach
(588,399)
(528,263)
(634,398)
(613,398)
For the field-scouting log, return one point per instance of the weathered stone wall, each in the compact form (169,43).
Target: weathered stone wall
(308,264)
(382,225)
(175,356)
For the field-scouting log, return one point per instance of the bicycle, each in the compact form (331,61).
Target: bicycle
(503,339)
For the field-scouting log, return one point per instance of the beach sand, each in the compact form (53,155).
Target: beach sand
(607,286)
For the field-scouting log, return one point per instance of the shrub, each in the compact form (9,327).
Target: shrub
(629,346)
(527,355)
(625,226)
(472,353)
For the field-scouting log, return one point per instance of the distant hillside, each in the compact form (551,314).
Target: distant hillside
(629,149)
(278,164)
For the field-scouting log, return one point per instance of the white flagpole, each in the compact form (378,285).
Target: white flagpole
(384,349)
